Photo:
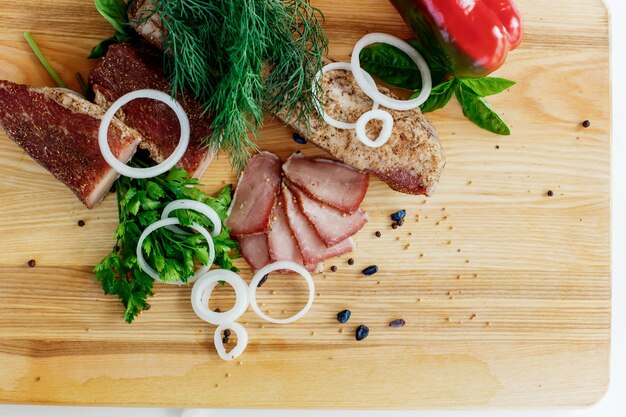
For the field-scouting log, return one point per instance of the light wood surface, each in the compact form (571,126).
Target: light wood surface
(505,291)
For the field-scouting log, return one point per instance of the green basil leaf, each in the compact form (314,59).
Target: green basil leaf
(439,96)
(391,65)
(115,12)
(479,111)
(487,86)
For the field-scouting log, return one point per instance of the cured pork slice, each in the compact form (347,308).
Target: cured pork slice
(280,240)
(128,67)
(332,225)
(59,130)
(311,245)
(254,250)
(255,195)
(329,182)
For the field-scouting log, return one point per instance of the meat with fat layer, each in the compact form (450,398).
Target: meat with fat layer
(254,250)
(128,67)
(59,130)
(255,195)
(410,162)
(312,247)
(332,225)
(329,182)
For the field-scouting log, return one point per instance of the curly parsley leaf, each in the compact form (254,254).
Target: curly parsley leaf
(174,256)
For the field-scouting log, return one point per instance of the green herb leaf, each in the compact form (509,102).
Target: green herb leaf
(391,65)
(478,110)
(44,62)
(115,12)
(140,202)
(101,48)
(487,86)
(439,96)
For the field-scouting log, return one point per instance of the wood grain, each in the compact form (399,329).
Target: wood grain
(505,291)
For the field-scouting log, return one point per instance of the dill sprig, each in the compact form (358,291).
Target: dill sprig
(242,58)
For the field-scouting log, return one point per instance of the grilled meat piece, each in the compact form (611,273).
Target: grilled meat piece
(59,130)
(129,67)
(410,162)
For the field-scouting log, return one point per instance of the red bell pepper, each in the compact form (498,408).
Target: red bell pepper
(468,38)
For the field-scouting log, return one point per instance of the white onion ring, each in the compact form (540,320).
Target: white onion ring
(373,93)
(171,160)
(332,67)
(168,222)
(242,340)
(384,134)
(196,206)
(203,288)
(288,265)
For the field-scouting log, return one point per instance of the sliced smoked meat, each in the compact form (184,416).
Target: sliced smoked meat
(255,195)
(254,250)
(59,130)
(312,247)
(329,182)
(280,240)
(331,224)
(128,67)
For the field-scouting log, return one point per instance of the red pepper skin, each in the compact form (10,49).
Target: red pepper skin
(469,38)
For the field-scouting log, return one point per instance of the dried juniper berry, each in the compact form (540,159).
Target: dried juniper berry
(398,215)
(362,332)
(397,323)
(370,270)
(343,316)
(299,139)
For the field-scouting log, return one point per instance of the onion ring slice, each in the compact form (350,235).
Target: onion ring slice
(203,288)
(168,222)
(384,134)
(327,118)
(291,266)
(373,93)
(242,340)
(196,206)
(170,161)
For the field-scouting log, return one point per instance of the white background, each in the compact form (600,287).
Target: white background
(613,404)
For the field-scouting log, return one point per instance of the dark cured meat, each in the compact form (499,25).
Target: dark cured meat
(254,250)
(59,130)
(329,182)
(312,247)
(129,67)
(255,195)
(331,224)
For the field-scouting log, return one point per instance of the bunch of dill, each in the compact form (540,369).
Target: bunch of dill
(242,58)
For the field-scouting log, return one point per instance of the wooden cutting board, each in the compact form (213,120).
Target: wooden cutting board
(505,290)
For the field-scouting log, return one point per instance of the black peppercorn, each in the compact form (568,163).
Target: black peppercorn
(299,139)
(343,316)
(394,225)
(265,277)
(370,270)
(227,333)
(32,263)
(550,193)
(378,234)
(81,223)
(362,332)
(333,268)
(397,323)
(586,123)
(350,261)
(400,222)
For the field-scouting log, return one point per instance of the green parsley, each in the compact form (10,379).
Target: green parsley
(173,255)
